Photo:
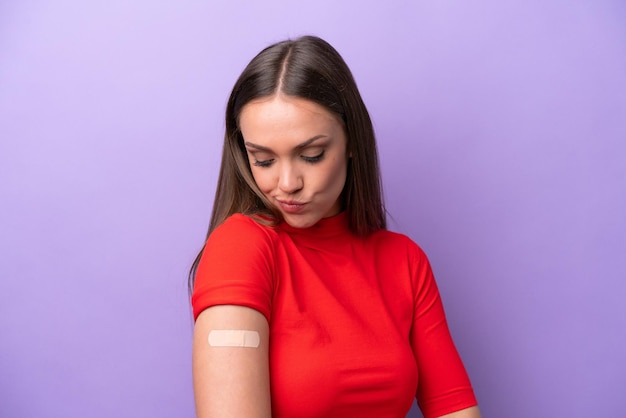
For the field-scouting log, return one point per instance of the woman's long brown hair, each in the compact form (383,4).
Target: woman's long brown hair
(312,69)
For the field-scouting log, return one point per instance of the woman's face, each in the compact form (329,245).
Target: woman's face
(297,154)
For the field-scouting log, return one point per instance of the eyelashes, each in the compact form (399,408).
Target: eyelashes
(313,159)
(308,159)
(264,163)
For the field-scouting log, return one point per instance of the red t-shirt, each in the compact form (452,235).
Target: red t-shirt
(357,328)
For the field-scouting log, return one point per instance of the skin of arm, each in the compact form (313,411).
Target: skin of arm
(472,412)
(231,382)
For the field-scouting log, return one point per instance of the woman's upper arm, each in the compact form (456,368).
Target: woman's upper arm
(472,412)
(231,381)
(444,385)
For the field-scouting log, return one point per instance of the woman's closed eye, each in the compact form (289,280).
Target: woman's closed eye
(313,158)
(263,163)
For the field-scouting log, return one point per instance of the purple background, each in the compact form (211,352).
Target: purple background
(502,132)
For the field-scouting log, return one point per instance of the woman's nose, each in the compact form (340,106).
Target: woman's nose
(290,180)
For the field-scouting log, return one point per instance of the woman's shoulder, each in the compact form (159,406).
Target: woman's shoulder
(247,223)
(397,242)
(244,229)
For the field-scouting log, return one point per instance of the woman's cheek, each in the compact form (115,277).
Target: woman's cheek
(262,180)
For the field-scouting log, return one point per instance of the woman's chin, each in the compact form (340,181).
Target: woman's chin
(300,221)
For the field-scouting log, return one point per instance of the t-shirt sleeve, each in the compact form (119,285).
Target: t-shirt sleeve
(236,267)
(444,386)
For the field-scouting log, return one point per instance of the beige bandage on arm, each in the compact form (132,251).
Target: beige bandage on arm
(234,338)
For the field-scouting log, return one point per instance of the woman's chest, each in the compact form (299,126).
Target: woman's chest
(339,342)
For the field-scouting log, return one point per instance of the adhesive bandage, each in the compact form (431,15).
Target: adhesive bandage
(234,338)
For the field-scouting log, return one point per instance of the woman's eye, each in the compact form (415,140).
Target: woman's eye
(313,159)
(263,163)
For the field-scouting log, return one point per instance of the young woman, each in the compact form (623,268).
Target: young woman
(305,305)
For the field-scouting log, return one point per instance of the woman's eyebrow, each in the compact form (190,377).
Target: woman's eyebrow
(309,141)
(297,147)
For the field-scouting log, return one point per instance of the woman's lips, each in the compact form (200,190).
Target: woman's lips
(290,206)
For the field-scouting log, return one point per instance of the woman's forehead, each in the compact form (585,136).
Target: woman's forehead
(278,117)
